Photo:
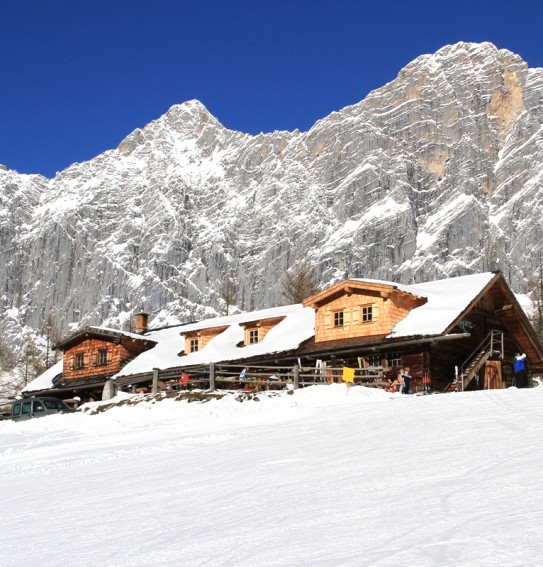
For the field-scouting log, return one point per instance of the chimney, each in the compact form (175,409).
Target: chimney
(141,322)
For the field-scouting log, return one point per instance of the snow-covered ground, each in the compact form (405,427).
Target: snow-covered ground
(317,478)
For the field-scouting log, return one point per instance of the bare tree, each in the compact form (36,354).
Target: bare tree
(52,336)
(7,358)
(299,284)
(228,292)
(19,370)
(8,373)
(30,360)
(535,290)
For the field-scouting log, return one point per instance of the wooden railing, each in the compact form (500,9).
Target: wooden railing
(253,378)
(491,346)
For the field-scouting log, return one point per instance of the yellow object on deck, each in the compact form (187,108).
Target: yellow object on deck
(348,374)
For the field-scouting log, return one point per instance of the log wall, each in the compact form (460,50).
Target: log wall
(117,354)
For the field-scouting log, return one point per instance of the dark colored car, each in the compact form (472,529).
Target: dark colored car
(37,407)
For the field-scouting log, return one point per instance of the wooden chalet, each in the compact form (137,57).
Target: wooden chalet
(91,357)
(461,333)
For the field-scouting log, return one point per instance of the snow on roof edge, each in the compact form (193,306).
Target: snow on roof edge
(45,380)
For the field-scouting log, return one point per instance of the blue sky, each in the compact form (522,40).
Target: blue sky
(78,75)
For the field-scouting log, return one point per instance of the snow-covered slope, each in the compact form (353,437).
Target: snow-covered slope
(436,174)
(317,478)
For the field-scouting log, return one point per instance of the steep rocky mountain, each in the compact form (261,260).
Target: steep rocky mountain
(438,173)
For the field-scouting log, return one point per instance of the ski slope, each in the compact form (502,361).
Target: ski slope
(318,478)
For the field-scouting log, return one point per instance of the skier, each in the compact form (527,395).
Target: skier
(521,374)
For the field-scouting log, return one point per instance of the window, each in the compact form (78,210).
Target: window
(367,313)
(26,408)
(17,409)
(253,336)
(54,404)
(373,359)
(394,359)
(80,360)
(194,345)
(338,318)
(37,407)
(102,357)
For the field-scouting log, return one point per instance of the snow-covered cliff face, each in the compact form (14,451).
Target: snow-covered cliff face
(439,173)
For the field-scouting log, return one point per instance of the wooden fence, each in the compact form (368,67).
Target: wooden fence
(252,378)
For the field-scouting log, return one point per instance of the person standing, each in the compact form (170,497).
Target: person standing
(406,378)
(399,381)
(184,381)
(243,379)
(426,382)
(521,374)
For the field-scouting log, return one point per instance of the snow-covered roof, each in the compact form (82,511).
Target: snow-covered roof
(241,318)
(102,331)
(117,332)
(297,326)
(446,300)
(44,381)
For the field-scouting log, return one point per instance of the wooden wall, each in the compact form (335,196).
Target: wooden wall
(389,308)
(90,349)
(264,327)
(414,358)
(117,354)
(203,336)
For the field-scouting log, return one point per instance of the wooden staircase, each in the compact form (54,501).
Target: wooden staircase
(492,346)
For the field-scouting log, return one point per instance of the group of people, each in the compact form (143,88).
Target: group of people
(401,383)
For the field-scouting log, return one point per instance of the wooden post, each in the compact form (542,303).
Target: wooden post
(155,381)
(212,376)
(296,373)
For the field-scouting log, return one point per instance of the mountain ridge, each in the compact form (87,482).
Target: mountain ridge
(437,173)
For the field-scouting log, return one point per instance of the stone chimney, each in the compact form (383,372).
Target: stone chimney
(141,322)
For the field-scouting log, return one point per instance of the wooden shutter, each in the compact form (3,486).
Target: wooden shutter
(356,315)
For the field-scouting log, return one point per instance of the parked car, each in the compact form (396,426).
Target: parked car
(37,407)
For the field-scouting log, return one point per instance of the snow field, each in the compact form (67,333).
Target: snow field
(321,477)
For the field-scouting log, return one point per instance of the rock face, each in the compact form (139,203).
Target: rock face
(438,173)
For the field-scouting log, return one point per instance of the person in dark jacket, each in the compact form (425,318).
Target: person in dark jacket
(521,373)
(406,378)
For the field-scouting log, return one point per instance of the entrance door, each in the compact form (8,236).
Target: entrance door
(493,375)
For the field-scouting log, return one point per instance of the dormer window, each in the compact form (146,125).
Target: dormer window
(338,318)
(253,336)
(367,313)
(194,345)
